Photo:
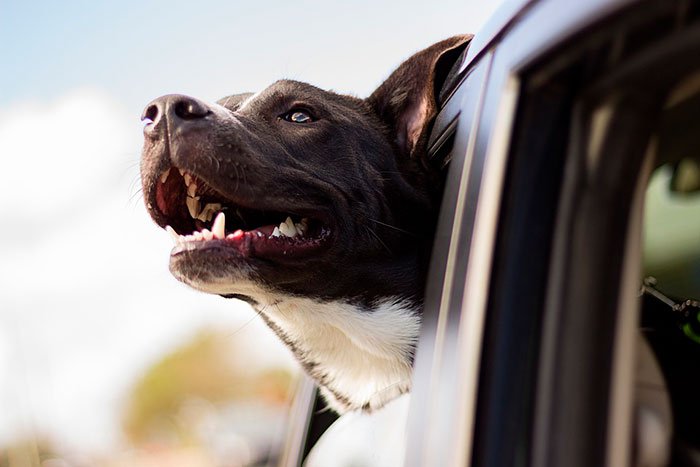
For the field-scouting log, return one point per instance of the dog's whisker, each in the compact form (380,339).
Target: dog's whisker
(253,318)
(374,234)
(136,196)
(134,184)
(391,386)
(131,165)
(393,227)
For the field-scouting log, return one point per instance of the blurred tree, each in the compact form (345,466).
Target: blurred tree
(212,367)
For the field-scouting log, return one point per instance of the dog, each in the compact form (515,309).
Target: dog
(317,208)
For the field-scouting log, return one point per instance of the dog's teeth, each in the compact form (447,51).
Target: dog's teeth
(207,235)
(192,190)
(208,211)
(237,234)
(193,206)
(164,177)
(219,227)
(275,233)
(182,172)
(173,234)
(188,179)
(290,224)
(301,228)
(286,230)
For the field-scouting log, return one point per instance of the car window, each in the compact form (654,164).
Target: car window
(630,88)
(670,318)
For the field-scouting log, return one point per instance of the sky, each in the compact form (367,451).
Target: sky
(86,301)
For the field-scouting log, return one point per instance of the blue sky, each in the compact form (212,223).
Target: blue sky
(87,302)
(137,50)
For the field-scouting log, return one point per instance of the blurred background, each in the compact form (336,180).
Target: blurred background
(105,359)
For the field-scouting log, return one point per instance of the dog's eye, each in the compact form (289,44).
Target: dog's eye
(298,116)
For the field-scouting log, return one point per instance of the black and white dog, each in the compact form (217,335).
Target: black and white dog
(317,208)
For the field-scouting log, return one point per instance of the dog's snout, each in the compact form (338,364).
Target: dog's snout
(176,109)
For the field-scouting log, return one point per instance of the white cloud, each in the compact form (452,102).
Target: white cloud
(51,152)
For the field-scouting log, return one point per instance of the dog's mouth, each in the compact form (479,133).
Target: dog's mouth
(198,217)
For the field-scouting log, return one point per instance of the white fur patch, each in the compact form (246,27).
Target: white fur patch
(362,356)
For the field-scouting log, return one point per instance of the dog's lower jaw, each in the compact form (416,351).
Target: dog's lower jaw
(360,357)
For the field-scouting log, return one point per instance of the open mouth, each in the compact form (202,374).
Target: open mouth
(199,217)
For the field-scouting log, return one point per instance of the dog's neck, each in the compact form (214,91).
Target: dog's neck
(361,357)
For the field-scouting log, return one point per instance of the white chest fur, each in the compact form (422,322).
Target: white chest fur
(361,357)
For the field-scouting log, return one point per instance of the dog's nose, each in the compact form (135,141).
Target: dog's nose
(176,109)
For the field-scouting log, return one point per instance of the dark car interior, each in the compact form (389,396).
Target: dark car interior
(670,318)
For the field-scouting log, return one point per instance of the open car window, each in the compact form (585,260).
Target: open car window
(670,318)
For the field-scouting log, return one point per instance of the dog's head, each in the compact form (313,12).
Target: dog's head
(323,195)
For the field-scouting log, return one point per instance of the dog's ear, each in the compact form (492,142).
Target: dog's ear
(407,100)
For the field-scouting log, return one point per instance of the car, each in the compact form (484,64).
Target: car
(570,138)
